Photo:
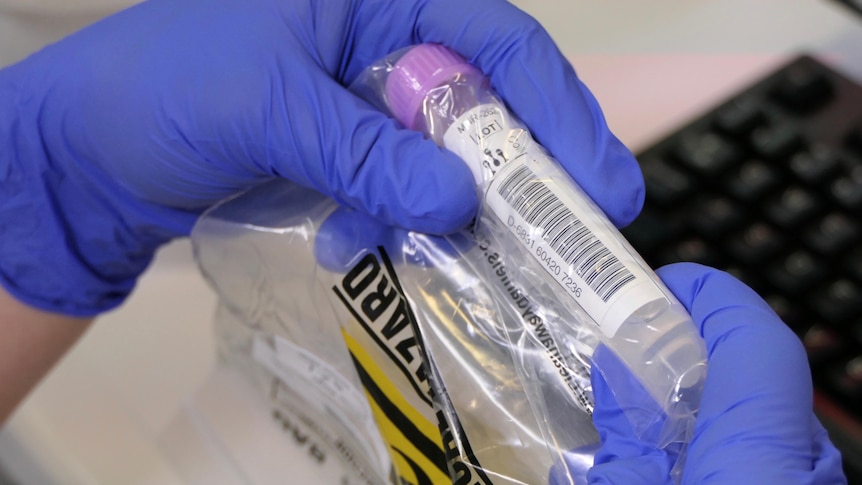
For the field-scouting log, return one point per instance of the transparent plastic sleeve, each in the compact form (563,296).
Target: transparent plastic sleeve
(574,289)
(458,359)
(276,325)
(375,338)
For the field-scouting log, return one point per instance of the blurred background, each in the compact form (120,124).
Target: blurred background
(652,65)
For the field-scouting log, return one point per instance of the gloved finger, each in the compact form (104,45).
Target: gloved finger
(539,84)
(754,423)
(634,470)
(273,110)
(827,461)
(626,455)
(363,159)
(345,236)
(530,73)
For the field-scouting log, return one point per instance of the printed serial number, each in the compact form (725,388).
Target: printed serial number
(570,284)
(522,233)
(548,258)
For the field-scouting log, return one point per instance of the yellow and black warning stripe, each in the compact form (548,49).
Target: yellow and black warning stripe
(415,441)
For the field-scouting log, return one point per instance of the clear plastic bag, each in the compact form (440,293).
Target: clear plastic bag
(297,274)
(473,351)
(578,285)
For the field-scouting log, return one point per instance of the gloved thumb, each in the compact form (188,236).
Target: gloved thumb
(626,455)
(363,159)
(755,424)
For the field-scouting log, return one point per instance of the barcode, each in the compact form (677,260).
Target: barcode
(565,233)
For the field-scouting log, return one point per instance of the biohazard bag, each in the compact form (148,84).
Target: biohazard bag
(461,359)
(316,312)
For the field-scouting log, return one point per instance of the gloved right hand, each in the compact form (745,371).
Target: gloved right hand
(755,423)
(113,140)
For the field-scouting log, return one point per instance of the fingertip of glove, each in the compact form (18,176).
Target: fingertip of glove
(688,281)
(439,197)
(344,235)
(676,273)
(611,175)
(723,306)
(627,174)
(621,190)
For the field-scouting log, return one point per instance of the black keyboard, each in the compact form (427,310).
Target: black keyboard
(768,186)
(855,5)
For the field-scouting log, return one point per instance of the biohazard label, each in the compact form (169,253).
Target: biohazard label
(372,294)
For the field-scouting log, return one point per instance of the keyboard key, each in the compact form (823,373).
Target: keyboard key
(714,216)
(752,180)
(707,153)
(847,190)
(823,345)
(853,139)
(651,230)
(692,249)
(839,302)
(796,273)
(740,117)
(803,89)
(666,184)
(776,142)
(815,166)
(846,380)
(792,206)
(853,263)
(833,233)
(756,243)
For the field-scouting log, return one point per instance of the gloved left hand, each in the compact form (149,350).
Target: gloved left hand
(113,140)
(755,423)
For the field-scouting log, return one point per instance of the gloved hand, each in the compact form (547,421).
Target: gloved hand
(755,423)
(113,140)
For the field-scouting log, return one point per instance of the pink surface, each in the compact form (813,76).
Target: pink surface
(670,89)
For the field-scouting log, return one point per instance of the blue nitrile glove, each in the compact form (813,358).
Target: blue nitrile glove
(113,140)
(755,423)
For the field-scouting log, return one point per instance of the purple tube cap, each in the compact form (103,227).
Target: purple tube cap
(421,69)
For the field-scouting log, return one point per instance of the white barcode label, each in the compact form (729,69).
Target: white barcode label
(565,233)
(533,197)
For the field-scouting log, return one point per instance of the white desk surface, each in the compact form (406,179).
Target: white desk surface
(651,65)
